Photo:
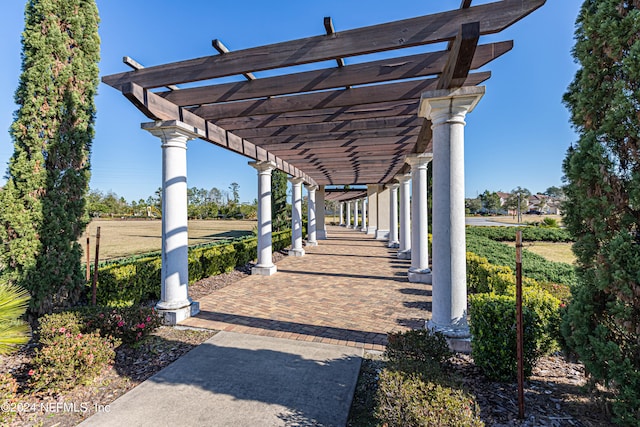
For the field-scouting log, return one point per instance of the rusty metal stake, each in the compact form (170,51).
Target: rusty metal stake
(94,282)
(519,325)
(88,259)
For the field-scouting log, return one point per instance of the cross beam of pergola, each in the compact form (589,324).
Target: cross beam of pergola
(348,124)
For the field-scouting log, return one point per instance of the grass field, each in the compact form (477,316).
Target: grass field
(559,252)
(508,219)
(119,238)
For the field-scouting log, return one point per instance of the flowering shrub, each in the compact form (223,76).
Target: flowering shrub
(8,390)
(52,325)
(68,359)
(127,324)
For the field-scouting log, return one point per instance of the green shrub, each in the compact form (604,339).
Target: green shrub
(8,397)
(533,266)
(417,349)
(408,399)
(68,358)
(129,325)
(529,234)
(52,325)
(493,336)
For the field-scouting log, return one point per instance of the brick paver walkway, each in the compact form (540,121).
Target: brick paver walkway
(349,290)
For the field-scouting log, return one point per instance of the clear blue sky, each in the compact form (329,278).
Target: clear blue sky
(517,136)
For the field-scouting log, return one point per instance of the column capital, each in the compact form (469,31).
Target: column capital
(393,186)
(296,180)
(170,130)
(419,160)
(403,178)
(444,105)
(311,187)
(263,166)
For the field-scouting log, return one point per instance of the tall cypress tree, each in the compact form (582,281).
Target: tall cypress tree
(603,199)
(43,202)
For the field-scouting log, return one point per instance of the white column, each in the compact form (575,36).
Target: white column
(311,215)
(265,265)
(321,225)
(419,271)
(365,208)
(447,110)
(348,223)
(393,216)
(404,251)
(296,217)
(342,213)
(355,214)
(175,304)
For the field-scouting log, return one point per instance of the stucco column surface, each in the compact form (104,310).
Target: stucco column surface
(311,216)
(342,213)
(393,216)
(356,204)
(348,223)
(264,266)
(419,271)
(175,304)
(296,217)
(447,110)
(372,217)
(382,231)
(404,250)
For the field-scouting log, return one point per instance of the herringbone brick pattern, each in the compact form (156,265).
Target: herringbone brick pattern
(349,290)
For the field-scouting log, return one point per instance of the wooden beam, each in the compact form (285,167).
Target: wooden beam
(158,108)
(328,27)
(439,27)
(222,49)
(460,56)
(330,127)
(425,137)
(329,99)
(387,141)
(138,66)
(412,66)
(327,136)
(324,115)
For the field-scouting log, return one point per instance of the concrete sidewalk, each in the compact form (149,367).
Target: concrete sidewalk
(244,380)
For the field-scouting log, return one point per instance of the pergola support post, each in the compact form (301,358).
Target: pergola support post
(372,195)
(311,215)
(264,265)
(348,223)
(393,216)
(365,208)
(447,110)
(355,214)
(419,271)
(321,226)
(175,304)
(342,222)
(404,250)
(296,217)
(382,231)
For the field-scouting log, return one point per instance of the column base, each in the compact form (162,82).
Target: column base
(371,230)
(312,243)
(321,234)
(260,270)
(296,252)
(458,336)
(405,254)
(382,234)
(395,244)
(173,316)
(420,276)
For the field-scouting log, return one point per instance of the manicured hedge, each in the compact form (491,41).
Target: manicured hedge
(529,234)
(137,279)
(533,265)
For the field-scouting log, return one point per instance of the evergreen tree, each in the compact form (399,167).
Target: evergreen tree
(279,211)
(602,210)
(44,200)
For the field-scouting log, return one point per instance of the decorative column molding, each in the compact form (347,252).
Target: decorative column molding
(296,217)
(321,226)
(311,215)
(348,223)
(419,271)
(382,231)
(393,215)
(404,251)
(365,208)
(175,304)
(265,265)
(342,214)
(447,110)
(372,217)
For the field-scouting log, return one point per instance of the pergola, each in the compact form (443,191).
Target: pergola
(368,122)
